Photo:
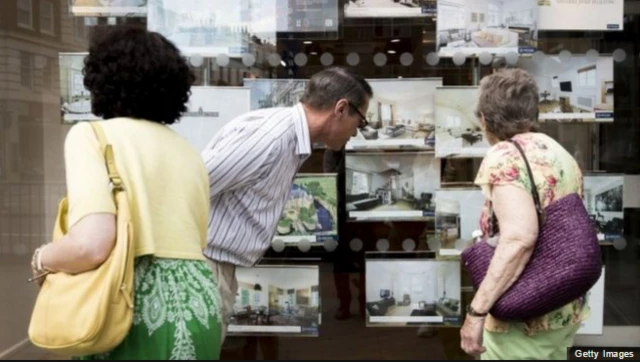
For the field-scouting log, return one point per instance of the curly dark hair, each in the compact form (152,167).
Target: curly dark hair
(132,72)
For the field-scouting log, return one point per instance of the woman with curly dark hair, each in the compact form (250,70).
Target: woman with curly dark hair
(139,83)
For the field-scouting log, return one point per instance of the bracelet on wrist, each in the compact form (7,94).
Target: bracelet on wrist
(473,313)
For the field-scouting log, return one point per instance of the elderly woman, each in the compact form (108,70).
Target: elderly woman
(508,109)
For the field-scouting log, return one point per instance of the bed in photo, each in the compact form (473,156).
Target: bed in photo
(458,130)
(412,290)
(457,217)
(577,89)
(472,27)
(311,213)
(205,118)
(391,186)
(277,300)
(603,198)
(109,8)
(75,99)
(400,115)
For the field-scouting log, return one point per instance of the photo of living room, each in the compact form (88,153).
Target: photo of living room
(277,300)
(457,217)
(579,89)
(311,212)
(389,8)
(458,130)
(75,99)
(472,27)
(412,292)
(391,186)
(400,115)
(603,198)
(203,118)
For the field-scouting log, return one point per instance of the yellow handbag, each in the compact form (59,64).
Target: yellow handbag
(91,312)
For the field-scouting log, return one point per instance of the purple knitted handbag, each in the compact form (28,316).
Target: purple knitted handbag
(565,263)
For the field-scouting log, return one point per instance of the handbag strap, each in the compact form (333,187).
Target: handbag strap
(534,190)
(109,159)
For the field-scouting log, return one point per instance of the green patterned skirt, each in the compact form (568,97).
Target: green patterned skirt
(176,315)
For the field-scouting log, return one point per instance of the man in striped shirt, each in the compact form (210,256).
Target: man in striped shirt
(253,160)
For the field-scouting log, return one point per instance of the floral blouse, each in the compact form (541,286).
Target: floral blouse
(556,174)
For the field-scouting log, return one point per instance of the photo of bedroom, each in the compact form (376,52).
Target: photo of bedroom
(277,300)
(458,130)
(311,213)
(457,217)
(391,186)
(603,198)
(204,118)
(389,8)
(414,291)
(109,7)
(579,89)
(400,115)
(75,99)
(472,27)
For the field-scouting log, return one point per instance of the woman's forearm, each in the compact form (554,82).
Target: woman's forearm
(70,256)
(509,260)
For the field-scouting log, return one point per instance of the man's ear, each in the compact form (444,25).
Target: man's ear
(342,107)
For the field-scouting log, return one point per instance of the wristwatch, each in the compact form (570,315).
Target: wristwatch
(472,312)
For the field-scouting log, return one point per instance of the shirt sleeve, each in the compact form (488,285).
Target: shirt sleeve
(502,165)
(239,159)
(88,189)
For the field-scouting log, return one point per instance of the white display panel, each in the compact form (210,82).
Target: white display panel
(391,186)
(277,300)
(603,198)
(213,27)
(389,9)
(579,89)
(458,214)
(208,110)
(472,27)
(311,213)
(458,130)
(75,98)
(411,289)
(108,7)
(595,301)
(581,15)
(400,115)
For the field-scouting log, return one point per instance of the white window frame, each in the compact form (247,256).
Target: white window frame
(29,11)
(51,12)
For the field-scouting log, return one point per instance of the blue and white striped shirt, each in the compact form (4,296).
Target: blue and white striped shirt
(252,162)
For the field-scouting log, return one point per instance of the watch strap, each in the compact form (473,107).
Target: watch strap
(472,312)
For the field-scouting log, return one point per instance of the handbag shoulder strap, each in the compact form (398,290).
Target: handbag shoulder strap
(109,159)
(534,189)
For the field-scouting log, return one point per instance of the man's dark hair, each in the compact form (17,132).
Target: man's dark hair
(328,86)
(132,72)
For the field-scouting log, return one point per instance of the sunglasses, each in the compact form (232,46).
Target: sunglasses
(363,120)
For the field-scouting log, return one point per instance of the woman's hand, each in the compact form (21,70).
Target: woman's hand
(471,336)
(38,277)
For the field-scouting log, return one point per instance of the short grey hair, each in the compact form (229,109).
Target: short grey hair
(328,86)
(509,102)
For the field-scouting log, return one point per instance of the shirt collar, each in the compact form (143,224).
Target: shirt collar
(303,146)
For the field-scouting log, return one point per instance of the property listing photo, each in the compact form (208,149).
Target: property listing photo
(206,28)
(109,7)
(457,217)
(458,130)
(472,27)
(75,99)
(204,118)
(391,186)
(577,89)
(400,115)
(311,212)
(277,300)
(415,291)
(389,8)
(603,198)
(269,93)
